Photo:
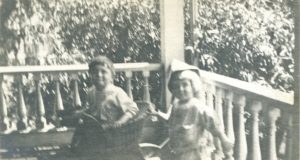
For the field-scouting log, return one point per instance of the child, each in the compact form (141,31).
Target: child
(189,121)
(109,108)
(108,103)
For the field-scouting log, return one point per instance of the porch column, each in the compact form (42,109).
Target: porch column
(172,37)
(295,121)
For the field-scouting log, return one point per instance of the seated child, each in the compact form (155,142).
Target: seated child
(108,103)
(110,107)
(189,121)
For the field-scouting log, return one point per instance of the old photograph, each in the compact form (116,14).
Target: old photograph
(149,79)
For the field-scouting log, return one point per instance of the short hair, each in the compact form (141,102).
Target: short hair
(186,74)
(102,61)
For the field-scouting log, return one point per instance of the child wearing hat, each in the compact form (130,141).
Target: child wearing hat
(190,123)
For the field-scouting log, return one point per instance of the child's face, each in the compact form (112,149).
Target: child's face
(101,76)
(183,89)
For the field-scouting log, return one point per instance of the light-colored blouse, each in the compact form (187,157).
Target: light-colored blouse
(191,125)
(110,104)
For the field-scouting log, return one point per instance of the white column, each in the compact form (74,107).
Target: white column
(172,37)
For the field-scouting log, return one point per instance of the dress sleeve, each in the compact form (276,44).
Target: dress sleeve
(127,104)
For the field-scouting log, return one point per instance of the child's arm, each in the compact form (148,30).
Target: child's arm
(127,105)
(124,118)
(160,114)
(213,125)
(167,115)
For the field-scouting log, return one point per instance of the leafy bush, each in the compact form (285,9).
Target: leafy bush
(249,40)
(67,32)
(42,32)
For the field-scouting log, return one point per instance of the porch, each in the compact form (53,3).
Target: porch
(263,123)
(259,120)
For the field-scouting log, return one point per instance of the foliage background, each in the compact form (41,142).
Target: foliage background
(41,32)
(250,40)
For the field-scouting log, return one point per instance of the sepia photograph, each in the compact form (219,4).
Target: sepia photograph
(149,79)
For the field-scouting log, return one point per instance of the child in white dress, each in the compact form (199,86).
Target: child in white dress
(190,122)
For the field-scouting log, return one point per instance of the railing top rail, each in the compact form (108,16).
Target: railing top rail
(77,68)
(249,88)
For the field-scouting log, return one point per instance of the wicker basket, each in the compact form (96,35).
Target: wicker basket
(89,136)
(129,133)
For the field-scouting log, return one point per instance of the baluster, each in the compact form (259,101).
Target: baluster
(254,150)
(210,91)
(58,101)
(201,94)
(282,145)
(4,122)
(146,75)
(289,137)
(128,75)
(218,154)
(147,98)
(76,96)
(240,147)
(285,144)
(273,115)
(229,121)
(41,122)
(204,93)
(22,123)
(219,106)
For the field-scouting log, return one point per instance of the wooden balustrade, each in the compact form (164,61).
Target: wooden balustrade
(240,98)
(231,99)
(30,132)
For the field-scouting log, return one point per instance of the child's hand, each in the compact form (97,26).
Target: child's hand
(227,146)
(117,124)
(151,110)
(186,127)
(153,113)
(106,126)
